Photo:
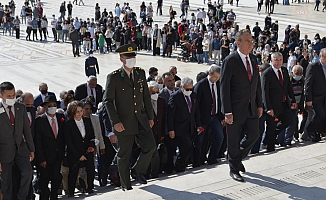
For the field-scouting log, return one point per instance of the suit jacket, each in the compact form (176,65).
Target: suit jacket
(74,36)
(76,144)
(159,120)
(32,123)
(315,84)
(127,102)
(48,148)
(97,132)
(180,120)
(205,100)
(38,100)
(166,96)
(273,91)
(236,89)
(15,140)
(81,92)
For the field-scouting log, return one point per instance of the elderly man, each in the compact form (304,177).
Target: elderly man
(183,117)
(43,88)
(91,88)
(209,102)
(315,95)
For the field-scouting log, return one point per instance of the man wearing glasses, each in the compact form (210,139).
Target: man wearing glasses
(183,117)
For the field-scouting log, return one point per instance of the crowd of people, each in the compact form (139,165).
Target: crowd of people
(161,124)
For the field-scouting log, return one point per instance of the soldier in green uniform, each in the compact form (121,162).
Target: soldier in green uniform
(128,103)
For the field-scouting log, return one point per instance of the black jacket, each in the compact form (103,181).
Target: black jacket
(315,84)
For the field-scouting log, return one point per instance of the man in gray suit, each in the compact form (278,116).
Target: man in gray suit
(168,81)
(16,143)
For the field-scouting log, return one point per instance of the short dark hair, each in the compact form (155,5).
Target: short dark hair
(6,86)
(72,108)
(166,74)
(152,70)
(200,76)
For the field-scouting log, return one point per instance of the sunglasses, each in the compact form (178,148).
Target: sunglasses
(190,89)
(52,105)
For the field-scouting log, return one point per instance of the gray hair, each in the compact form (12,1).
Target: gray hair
(241,33)
(214,68)
(322,52)
(297,66)
(276,54)
(158,77)
(177,84)
(63,93)
(92,78)
(186,81)
(152,84)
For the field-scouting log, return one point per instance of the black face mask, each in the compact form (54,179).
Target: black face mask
(28,109)
(44,91)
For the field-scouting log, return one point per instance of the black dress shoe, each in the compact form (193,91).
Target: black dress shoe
(138,176)
(214,162)
(242,168)
(236,177)
(89,191)
(70,195)
(125,189)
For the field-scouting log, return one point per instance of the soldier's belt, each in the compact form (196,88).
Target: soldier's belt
(92,66)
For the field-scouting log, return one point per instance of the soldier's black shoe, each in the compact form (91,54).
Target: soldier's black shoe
(125,189)
(138,176)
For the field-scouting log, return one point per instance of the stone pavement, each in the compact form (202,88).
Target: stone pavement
(295,173)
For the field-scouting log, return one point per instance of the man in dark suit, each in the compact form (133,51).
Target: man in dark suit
(174,71)
(19,146)
(128,103)
(303,44)
(43,88)
(241,101)
(209,102)
(183,118)
(74,36)
(91,65)
(49,145)
(278,99)
(166,92)
(91,88)
(315,94)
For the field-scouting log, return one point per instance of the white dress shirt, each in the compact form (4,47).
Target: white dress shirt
(216,95)
(276,72)
(50,121)
(128,73)
(81,126)
(7,110)
(243,58)
(89,91)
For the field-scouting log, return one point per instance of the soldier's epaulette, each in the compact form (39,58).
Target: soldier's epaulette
(139,68)
(116,71)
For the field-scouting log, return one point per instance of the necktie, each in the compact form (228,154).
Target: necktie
(11,116)
(130,77)
(189,103)
(280,77)
(92,93)
(214,100)
(54,128)
(248,69)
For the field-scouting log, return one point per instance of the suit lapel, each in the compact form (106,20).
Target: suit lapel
(5,115)
(321,72)
(242,66)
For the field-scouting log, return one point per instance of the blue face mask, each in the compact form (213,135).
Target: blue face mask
(297,78)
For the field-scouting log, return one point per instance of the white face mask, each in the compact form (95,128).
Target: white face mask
(131,62)
(187,93)
(160,86)
(10,102)
(52,110)
(154,97)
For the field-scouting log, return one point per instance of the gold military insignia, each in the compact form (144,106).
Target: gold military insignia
(130,49)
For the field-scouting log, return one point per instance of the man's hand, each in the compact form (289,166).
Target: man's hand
(102,151)
(229,118)
(43,164)
(294,106)
(171,134)
(113,139)
(271,112)
(31,157)
(82,158)
(151,123)
(309,103)
(260,112)
(119,127)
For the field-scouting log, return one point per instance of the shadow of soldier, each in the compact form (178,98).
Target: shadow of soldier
(287,185)
(172,194)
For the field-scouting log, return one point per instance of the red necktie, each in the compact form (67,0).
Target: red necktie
(54,128)
(214,100)
(248,69)
(280,77)
(189,103)
(11,116)
(92,93)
